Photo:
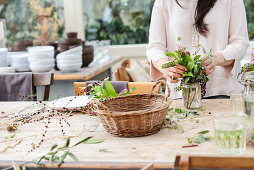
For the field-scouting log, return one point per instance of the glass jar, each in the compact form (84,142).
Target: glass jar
(249,83)
(191,93)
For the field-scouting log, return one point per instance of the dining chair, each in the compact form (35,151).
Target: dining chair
(186,162)
(46,80)
(141,87)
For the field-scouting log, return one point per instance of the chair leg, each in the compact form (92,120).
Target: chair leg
(148,167)
(184,162)
(46,93)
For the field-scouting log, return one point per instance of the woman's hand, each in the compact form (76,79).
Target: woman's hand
(209,66)
(218,60)
(171,73)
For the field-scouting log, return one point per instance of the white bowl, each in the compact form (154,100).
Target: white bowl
(69,61)
(21,67)
(37,59)
(40,49)
(69,67)
(41,68)
(69,57)
(41,55)
(20,58)
(43,62)
(7,70)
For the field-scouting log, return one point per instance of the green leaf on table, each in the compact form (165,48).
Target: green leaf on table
(110,89)
(66,145)
(103,150)
(73,156)
(204,132)
(62,158)
(82,141)
(93,141)
(53,147)
(200,138)
(177,110)
(39,161)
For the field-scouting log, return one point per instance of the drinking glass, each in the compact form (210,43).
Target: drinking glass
(230,133)
(236,100)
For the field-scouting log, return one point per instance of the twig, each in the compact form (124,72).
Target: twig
(9,147)
(189,146)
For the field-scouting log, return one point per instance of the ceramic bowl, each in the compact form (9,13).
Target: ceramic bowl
(69,67)
(41,68)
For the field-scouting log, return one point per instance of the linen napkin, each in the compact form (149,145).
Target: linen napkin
(16,86)
(119,86)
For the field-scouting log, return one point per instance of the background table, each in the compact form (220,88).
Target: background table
(63,82)
(160,148)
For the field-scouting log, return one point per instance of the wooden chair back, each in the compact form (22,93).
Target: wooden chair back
(141,87)
(186,162)
(46,80)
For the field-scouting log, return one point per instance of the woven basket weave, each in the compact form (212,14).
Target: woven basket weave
(134,115)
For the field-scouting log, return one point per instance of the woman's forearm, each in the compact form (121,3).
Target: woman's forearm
(221,61)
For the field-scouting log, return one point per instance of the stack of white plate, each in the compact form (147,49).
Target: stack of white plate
(19,61)
(7,70)
(70,61)
(3,57)
(41,58)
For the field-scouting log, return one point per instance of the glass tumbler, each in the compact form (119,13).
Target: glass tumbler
(236,100)
(230,133)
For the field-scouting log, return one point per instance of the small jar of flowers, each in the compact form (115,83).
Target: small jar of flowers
(194,80)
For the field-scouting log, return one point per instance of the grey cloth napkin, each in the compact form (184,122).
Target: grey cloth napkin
(16,86)
(119,86)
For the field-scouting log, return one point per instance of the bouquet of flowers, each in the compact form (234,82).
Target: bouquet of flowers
(247,67)
(194,73)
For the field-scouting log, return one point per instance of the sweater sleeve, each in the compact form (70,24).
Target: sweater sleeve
(157,39)
(238,35)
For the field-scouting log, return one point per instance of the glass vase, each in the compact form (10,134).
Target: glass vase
(191,93)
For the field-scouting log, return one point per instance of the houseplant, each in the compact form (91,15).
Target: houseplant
(194,76)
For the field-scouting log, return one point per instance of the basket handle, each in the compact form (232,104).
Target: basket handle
(161,82)
(102,106)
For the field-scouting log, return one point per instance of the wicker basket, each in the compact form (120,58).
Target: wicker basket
(134,115)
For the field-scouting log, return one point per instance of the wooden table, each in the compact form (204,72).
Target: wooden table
(160,148)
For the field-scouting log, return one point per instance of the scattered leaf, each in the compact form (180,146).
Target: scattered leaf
(93,141)
(53,147)
(73,156)
(103,150)
(82,141)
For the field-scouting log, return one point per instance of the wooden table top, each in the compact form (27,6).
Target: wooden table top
(160,148)
(89,72)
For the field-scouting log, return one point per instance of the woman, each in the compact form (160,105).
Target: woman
(219,25)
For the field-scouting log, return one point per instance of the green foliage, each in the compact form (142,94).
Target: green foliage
(249,5)
(246,68)
(200,138)
(129,24)
(109,92)
(19,20)
(59,154)
(194,65)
